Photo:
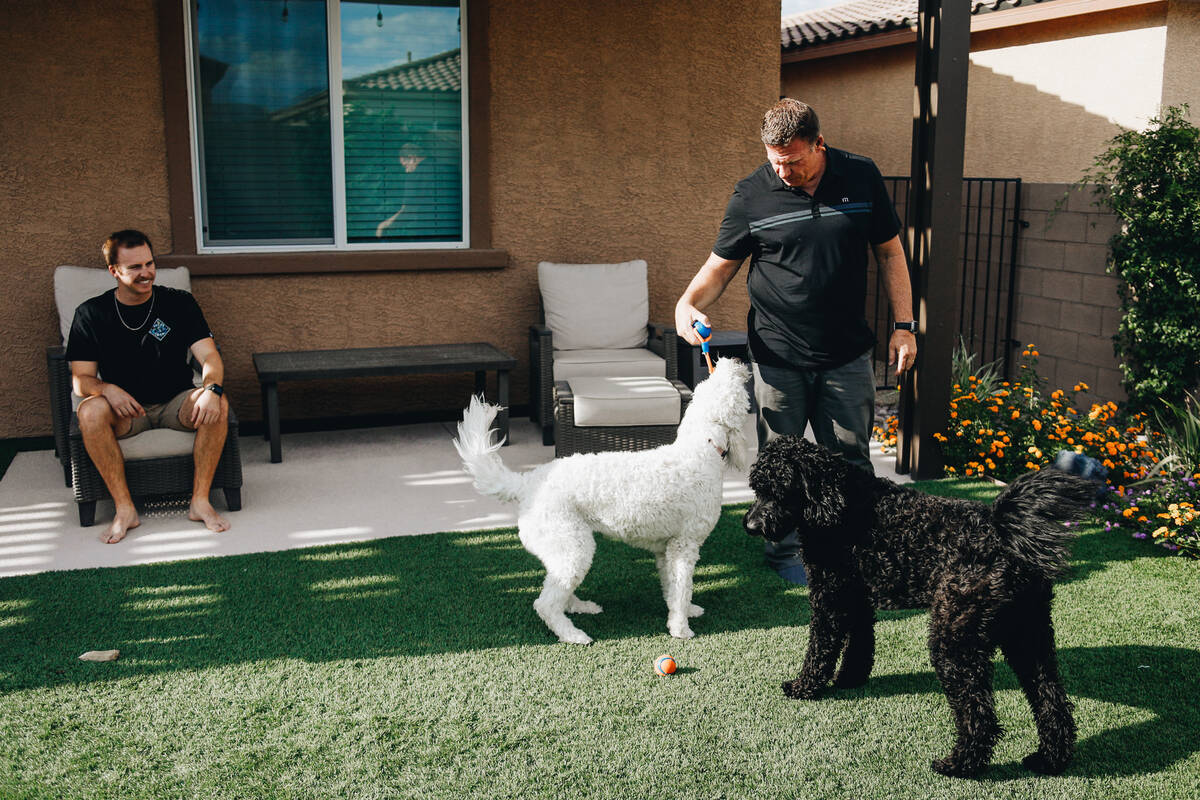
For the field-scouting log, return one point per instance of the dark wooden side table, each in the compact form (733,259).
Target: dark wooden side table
(477,357)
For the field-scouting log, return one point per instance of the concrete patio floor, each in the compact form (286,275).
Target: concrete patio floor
(332,487)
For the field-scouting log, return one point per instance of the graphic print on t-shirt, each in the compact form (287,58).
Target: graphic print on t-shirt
(159,329)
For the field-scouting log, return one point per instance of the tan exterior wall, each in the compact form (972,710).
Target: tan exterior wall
(617,131)
(1066,303)
(1181,76)
(1042,99)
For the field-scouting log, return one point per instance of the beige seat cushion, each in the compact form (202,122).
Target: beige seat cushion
(595,306)
(634,362)
(73,285)
(622,402)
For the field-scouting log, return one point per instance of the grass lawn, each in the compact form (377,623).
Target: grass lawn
(416,667)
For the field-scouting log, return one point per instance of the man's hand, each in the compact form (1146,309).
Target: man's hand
(121,401)
(207,408)
(703,291)
(685,315)
(902,351)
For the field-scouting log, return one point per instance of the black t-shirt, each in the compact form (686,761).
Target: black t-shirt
(150,361)
(808,260)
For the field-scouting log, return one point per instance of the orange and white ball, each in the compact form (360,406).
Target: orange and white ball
(664,665)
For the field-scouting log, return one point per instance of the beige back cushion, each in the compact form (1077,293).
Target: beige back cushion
(73,285)
(595,306)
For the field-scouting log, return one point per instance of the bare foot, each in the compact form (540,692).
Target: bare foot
(123,520)
(202,511)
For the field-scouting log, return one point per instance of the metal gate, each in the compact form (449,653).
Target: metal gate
(991,224)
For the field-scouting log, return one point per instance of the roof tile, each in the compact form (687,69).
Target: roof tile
(865,18)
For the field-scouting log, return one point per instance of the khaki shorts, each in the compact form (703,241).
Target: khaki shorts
(161,415)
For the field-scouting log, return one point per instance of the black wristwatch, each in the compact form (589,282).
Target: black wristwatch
(906,326)
(216,389)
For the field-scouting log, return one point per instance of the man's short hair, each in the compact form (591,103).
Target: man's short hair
(787,120)
(127,239)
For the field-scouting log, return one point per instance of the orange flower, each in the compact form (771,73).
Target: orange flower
(1037,424)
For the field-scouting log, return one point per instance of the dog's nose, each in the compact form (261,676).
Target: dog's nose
(753,525)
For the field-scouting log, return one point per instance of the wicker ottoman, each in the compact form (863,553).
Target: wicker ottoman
(596,415)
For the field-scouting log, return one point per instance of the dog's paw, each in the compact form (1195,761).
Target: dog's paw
(680,631)
(801,690)
(575,637)
(1039,763)
(577,606)
(953,767)
(695,611)
(848,681)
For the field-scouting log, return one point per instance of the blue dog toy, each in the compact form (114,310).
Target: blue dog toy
(705,333)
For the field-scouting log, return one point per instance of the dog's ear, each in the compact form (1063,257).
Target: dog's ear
(823,476)
(738,449)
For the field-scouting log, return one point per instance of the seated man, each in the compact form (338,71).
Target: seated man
(137,336)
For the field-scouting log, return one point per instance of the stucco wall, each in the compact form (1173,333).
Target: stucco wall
(1066,302)
(618,130)
(1181,78)
(1042,100)
(71,169)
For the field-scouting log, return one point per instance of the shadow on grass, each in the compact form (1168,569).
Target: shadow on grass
(1142,679)
(454,592)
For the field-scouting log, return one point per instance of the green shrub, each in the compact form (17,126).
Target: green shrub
(1151,181)
(1179,426)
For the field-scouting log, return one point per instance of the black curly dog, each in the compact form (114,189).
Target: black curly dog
(984,574)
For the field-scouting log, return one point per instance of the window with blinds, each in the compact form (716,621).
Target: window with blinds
(286,163)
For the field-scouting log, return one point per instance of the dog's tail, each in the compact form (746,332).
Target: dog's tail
(1030,512)
(480,455)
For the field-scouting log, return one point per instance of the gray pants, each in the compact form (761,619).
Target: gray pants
(838,403)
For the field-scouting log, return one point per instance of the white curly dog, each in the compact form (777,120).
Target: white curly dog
(666,500)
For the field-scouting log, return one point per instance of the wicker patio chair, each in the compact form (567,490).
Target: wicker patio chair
(157,462)
(596,324)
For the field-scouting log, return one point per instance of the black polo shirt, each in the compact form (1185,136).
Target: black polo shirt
(808,260)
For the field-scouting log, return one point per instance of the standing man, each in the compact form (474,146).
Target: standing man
(805,220)
(137,336)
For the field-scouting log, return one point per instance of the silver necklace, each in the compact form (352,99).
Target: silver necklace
(148,313)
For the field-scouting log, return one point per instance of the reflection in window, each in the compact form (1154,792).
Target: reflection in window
(266,177)
(402,122)
(269,157)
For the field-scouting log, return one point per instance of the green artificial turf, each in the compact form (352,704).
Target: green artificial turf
(415,667)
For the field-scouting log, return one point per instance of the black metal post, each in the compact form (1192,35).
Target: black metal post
(935,205)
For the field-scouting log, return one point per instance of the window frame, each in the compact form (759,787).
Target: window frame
(475,252)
